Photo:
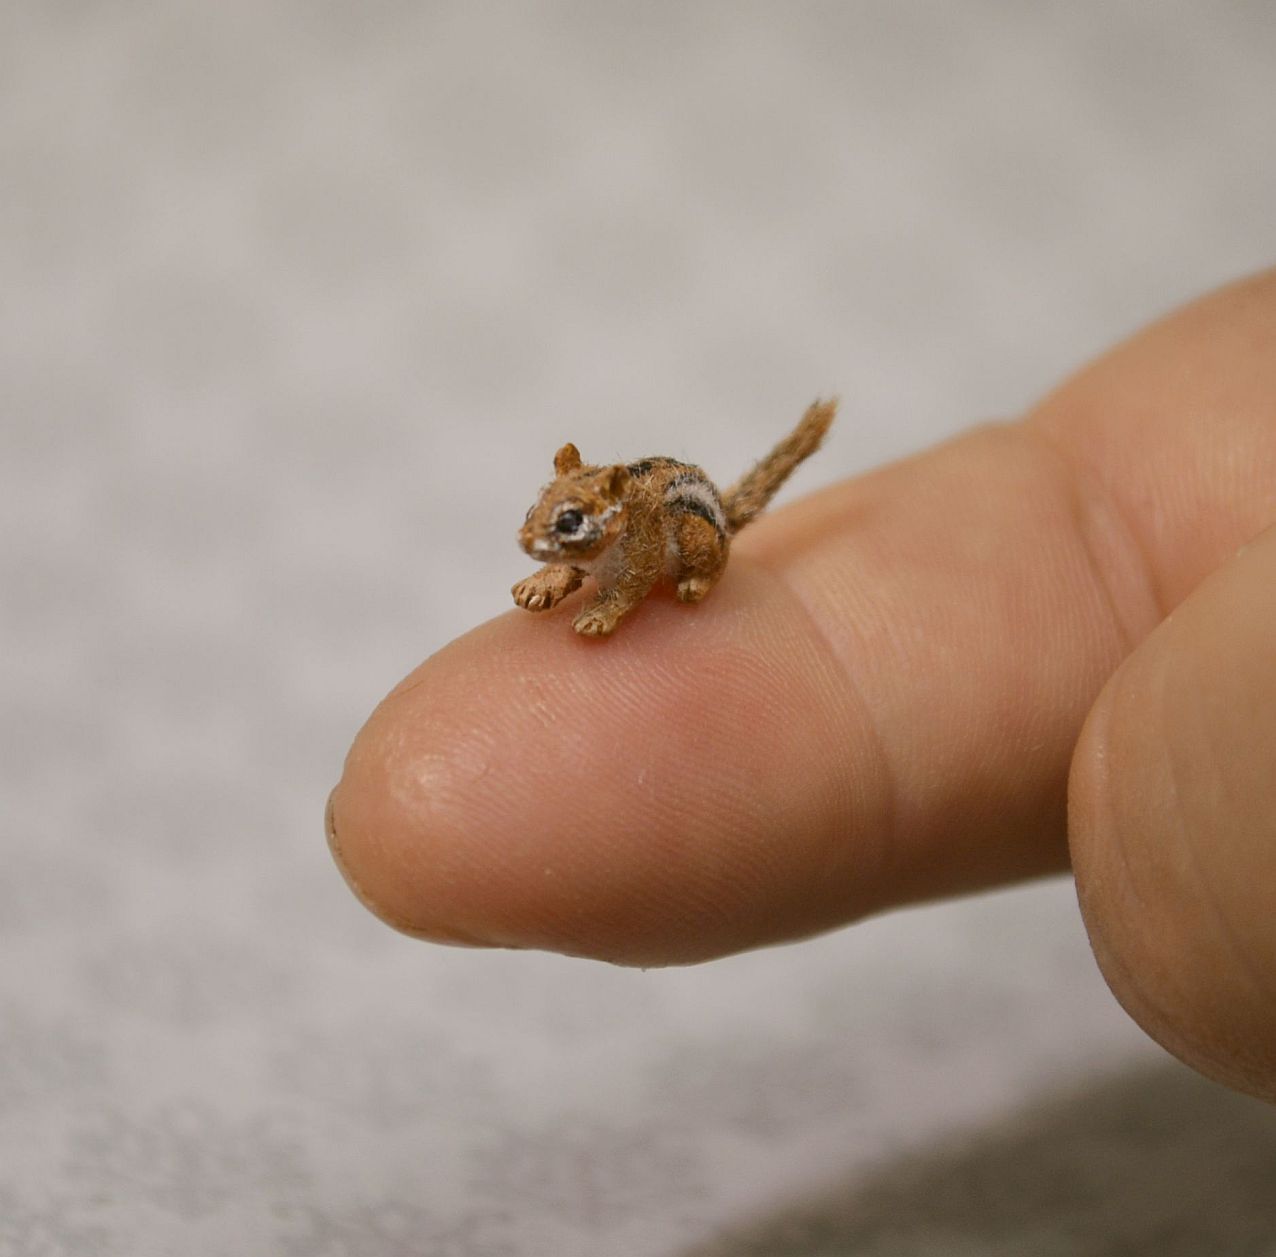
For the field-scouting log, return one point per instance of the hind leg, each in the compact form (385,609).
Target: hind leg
(702,556)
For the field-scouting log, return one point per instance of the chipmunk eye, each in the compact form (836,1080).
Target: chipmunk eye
(568,522)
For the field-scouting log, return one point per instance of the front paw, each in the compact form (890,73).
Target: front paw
(535,595)
(596,622)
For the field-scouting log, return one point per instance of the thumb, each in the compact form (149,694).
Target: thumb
(1172,819)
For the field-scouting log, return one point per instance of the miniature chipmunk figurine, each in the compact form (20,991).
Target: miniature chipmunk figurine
(629,525)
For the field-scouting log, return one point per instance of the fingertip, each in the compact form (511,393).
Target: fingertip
(1103,791)
(674,794)
(379,825)
(1172,800)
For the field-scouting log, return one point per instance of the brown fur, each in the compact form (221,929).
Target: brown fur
(629,525)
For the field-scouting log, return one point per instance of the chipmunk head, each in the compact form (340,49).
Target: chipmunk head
(579,514)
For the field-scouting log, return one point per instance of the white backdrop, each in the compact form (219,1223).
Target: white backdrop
(297,301)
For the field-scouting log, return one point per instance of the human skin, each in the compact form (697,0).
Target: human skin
(1044,642)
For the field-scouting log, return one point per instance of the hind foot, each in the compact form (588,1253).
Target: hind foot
(694,588)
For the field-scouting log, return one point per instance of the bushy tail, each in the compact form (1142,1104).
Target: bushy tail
(747,498)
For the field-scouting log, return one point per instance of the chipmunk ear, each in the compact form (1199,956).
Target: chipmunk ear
(567,459)
(614,479)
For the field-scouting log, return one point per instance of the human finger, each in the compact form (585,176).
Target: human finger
(878,704)
(1173,827)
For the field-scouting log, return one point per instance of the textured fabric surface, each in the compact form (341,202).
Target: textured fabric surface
(298,299)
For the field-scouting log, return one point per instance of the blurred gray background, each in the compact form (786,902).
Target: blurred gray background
(296,300)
